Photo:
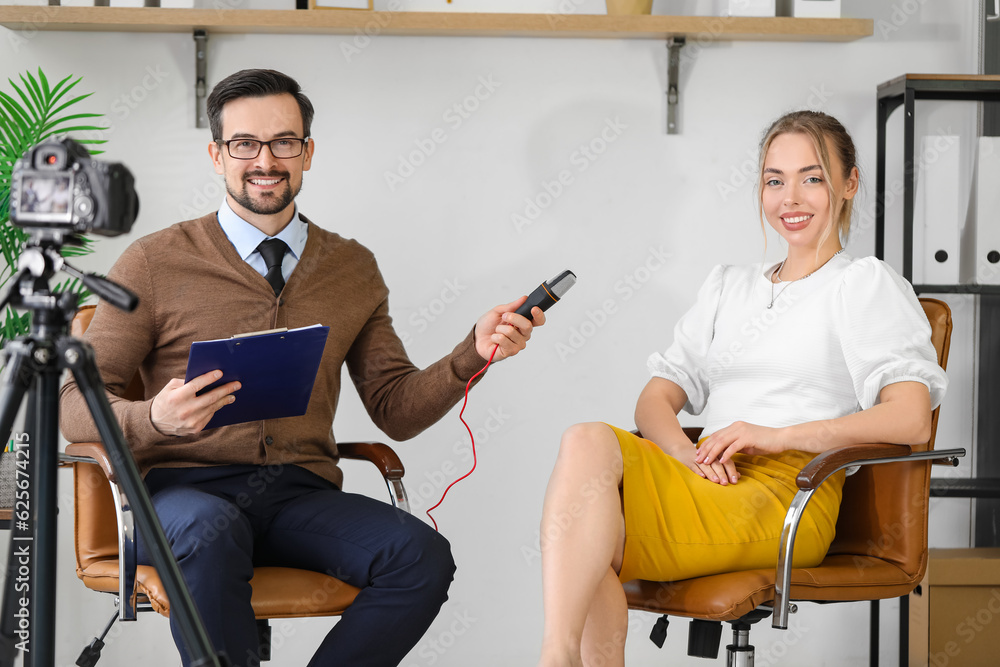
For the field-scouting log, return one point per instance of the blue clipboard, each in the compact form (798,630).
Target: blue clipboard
(277,371)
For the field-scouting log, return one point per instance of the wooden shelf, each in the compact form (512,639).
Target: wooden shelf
(707,28)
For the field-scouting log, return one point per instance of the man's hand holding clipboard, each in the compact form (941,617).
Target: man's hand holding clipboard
(274,372)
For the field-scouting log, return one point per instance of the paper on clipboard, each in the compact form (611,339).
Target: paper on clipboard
(277,370)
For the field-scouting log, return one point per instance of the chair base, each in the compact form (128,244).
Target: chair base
(705,637)
(741,652)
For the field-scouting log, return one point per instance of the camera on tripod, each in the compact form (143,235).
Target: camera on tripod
(56,186)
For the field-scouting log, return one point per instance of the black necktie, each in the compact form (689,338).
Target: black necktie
(273,251)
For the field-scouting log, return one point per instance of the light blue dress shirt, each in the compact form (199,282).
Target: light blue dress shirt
(245,238)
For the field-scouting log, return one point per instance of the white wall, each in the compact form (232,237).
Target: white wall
(647,194)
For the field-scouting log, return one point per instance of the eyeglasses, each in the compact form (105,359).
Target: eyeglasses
(248,149)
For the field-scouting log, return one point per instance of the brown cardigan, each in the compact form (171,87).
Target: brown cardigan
(192,285)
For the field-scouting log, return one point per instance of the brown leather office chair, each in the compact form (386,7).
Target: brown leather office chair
(105,548)
(880,550)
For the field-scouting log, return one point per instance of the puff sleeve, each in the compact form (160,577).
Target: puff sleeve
(685,362)
(884,333)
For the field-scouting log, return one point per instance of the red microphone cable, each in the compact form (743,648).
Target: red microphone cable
(471,437)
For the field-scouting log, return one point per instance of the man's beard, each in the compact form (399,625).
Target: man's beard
(270,203)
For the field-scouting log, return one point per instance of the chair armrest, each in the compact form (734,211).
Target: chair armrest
(820,468)
(386,461)
(809,479)
(95,452)
(692,432)
(383,456)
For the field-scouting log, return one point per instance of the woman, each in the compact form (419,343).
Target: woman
(787,360)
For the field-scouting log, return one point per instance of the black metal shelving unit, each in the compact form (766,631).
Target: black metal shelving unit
(904,91)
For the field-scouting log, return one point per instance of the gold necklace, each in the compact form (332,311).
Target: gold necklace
(777,274)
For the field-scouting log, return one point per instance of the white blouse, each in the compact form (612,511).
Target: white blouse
(826,348)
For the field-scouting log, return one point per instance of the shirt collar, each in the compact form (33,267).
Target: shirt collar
(245,237)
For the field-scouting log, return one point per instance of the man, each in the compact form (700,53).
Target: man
(217,276)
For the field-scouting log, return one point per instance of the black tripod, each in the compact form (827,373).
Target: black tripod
(35,362)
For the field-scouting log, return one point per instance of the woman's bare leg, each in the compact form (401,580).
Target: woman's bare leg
(607,624)
(583,538)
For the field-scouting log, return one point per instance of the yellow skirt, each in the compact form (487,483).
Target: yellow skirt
(679,525)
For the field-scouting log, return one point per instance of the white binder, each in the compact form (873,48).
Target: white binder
(936,211)
(985,215)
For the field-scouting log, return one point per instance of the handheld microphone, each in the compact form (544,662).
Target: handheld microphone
(546,294)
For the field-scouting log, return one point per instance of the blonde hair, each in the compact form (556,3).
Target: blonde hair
(820,128)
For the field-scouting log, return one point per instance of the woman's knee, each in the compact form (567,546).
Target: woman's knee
(594,440)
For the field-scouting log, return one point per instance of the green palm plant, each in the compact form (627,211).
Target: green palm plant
(38,115)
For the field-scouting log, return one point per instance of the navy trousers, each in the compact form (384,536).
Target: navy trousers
(222,521)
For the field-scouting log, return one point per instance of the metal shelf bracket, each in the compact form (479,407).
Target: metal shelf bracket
(674,45)
(200,75)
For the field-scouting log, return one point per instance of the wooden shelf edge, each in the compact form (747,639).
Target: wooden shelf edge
(957,288)
(707,28)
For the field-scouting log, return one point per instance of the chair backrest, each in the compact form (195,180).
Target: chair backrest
(135,390)
(884,510)
(96,533)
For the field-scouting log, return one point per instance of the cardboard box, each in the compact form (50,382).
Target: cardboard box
(955,612)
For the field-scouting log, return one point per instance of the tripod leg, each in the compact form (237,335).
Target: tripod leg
(45,499)
(14,382)
(79,358)
(15,607)
(7,642)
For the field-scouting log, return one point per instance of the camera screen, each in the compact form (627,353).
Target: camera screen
(46,197)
